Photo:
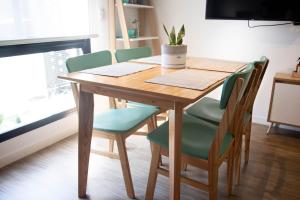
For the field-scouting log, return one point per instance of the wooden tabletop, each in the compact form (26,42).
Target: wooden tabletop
(286,78)
(209,64)
(136,83)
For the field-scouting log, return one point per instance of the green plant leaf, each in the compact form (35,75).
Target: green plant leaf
(166,30)
(173,36)
(180,35)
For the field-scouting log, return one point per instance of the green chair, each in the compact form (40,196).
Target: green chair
(212,110)
(204,144)
(114,124)
(124,55)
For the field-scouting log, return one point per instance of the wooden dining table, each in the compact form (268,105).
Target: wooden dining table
(134,88)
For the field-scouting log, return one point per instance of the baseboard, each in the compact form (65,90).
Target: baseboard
(263,121)
(260,120)
(33,141)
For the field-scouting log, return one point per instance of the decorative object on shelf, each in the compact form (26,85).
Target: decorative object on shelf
(136,25)
(133,1)
(174,53)
(142,2)
(125,1)
(132,33)
(296,73)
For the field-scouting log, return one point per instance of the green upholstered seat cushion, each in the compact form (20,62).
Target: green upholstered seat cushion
(123,55)
(197,137)
(207,109)
(121,121)
(89,61)
(230,81)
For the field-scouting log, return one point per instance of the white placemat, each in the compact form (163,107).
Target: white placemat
(148,60)
(214,64)
(190,78)
(119,69)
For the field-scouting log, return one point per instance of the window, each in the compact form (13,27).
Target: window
(30,88)
(31,94)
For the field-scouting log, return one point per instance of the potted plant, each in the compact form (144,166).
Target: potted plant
(174,53)
(296,73)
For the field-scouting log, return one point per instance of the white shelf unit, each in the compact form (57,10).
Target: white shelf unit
(147,26)
(130,5)
(140,38)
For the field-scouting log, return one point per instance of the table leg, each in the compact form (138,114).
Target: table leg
(86,113)
(175,128)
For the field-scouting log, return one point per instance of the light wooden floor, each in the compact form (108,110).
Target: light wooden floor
(272,173)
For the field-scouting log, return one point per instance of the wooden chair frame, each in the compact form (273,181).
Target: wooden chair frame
(214,160)
(120,140)
(249,107)
(245,129)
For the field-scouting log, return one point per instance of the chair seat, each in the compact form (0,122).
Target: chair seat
(197,137)
(208,109)
(136,104)
(120,121)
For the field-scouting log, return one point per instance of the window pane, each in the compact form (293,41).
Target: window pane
(30,90)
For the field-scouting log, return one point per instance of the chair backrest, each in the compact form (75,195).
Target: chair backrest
(236,87)
(123,55)
(261,67)
(230,81)
(88,61)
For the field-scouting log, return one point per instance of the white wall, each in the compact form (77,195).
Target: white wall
(233,40)
(98,17)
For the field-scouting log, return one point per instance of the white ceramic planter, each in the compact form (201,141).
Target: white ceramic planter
(173,56)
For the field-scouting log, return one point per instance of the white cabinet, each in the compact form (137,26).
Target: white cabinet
(285,101)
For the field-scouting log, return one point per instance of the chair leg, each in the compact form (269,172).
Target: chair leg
(154,121)
(213,182)
(153,171)
(111,146)
(237,162)
(247,141)
(125,166)
(152,124)
(230,163)
(238,170)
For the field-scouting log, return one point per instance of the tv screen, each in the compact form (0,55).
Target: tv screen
(273,10)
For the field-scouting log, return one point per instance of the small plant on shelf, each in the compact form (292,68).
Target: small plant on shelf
(174,53)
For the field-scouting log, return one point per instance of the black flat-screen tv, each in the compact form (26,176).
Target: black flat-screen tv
(267,10)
